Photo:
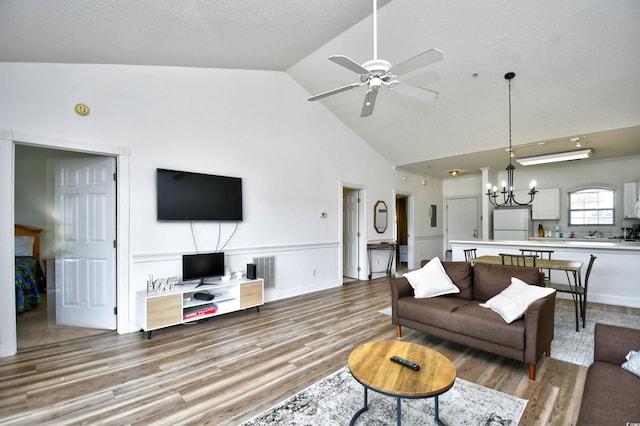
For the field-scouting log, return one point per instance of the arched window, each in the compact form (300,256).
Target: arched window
(592,206)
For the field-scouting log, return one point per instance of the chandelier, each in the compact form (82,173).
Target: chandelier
(508,198)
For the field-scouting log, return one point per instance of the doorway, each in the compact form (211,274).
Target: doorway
(35,201)
(462,219)
(350,234)
(402,233)
(404,226)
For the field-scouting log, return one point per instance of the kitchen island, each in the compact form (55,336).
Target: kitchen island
(615,277)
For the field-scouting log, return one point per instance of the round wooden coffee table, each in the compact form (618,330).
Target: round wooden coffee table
(371,366)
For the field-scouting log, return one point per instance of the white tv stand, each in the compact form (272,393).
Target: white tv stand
(179,306)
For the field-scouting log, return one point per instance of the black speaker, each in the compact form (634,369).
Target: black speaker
(251,271)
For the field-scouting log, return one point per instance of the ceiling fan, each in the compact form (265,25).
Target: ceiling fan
(378,72)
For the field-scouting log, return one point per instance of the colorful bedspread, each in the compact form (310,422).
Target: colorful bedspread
(29,282)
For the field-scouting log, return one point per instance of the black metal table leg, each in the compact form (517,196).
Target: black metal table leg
(362,410)
(437,417)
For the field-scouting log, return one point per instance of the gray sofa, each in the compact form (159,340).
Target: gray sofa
(459,318)
(611,394)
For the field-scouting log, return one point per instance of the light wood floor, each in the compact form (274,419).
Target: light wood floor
(230,368)
(37,327)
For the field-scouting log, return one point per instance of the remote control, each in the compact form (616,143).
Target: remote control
(405,362)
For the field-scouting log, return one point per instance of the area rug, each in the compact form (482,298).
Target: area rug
(577,347)
(335,399)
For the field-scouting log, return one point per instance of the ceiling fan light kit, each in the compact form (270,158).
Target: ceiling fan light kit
(378,72)
(555,158)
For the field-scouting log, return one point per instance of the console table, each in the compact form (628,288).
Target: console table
(178,305)
(391,247)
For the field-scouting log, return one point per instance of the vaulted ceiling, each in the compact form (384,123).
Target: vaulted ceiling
(576,62)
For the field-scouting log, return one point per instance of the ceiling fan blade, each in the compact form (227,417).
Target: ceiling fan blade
(423,59)
(334,91)
(369,102)
(349,64)
(416,92)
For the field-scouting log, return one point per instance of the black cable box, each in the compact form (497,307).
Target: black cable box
(203,296)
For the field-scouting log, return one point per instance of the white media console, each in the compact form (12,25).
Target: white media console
(179,306)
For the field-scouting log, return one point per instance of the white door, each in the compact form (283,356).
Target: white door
(462,219)
(351,233)
(85,242)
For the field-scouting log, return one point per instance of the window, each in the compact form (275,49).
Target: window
(591,206)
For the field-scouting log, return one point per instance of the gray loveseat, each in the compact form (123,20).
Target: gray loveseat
(459,318)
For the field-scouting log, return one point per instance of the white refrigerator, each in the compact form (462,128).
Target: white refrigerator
(512,223)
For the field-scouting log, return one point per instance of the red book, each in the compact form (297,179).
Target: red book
(204,311)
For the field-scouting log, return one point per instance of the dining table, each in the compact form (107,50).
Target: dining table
(571,267)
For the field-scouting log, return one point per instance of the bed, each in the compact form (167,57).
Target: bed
(30,281)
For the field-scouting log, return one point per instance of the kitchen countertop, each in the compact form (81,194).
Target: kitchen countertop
(614,280)
(602,243)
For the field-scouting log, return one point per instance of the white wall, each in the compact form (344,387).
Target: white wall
(291,154)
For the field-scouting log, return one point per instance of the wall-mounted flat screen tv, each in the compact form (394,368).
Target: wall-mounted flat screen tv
(188,196)
(202,266)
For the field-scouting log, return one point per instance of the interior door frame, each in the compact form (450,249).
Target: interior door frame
(411,239)
(362,219)
(8,140)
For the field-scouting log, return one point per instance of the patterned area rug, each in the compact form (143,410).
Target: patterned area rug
(577,347)
(335,399)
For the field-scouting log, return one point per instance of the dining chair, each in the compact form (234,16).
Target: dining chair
(542,254)
(578,291)
(518,259)
(469,255)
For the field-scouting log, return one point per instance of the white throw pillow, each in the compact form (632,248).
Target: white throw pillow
(512,302)
(23,245)
(632,365)
(431,280)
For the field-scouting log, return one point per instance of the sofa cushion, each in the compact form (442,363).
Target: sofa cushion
(489,280)
(475,321)
(433,311)
(512,302)
(431,280)
(610,396)
(461,273)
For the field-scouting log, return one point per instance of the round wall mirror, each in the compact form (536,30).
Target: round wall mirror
(380,217)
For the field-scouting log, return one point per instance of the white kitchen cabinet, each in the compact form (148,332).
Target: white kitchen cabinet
(546,205)
(629,200)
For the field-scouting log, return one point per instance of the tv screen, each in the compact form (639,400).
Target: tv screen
(188,196)
(202,266)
